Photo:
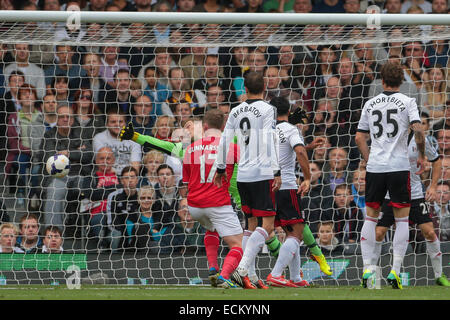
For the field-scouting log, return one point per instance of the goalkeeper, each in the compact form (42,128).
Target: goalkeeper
(196,132)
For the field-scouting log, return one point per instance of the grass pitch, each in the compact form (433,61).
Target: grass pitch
(149,292)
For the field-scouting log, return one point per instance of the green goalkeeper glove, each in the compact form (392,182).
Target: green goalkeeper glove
(128,133)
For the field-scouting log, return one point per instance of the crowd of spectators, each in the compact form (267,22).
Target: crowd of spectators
(74,100)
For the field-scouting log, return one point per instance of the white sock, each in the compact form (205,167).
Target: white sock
(295,266)
(251,269)
(368,240)
(400,242)
(254,244)
(287,253)
(435,254)
(377,252)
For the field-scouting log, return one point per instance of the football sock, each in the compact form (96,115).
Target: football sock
(274,245)
(295,267)
(310,242)
(287,252)
(251,268)
(377,252)
(435,254)
(368,241)
(212,242)
(253,246)
(400,242)
(231,261)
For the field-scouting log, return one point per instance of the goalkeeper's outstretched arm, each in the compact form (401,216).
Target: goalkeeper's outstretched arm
(170,148)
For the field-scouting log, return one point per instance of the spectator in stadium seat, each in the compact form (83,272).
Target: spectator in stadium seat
(256,61)
(359,189)
(144,116)
(166,204)
(86,113)
(29,240)
(64,65)
(354,84)
(161,31)
(445,171)
(115,31)
(319,201)
(185,5)
(234,67)
(183,112)
(163,127)
(163,62)
(119,98)
(157,92)
(329,6)
(438,50)
(102,182)
(122,205)
(326,61)
(425,5)
(34,75)
(392,6)
(212,77)
(209,6)
(443,138)
(96,5)
(22,138)
(275,87)
(179,91)
(286,62)
(440,211)
(352,6)
(348,218)
(8,236)
(439,6)
(304,83)
(53,240)
(127,153)
(65,138)
(327,240)
(368,59)
(110,64)
(193,64)
(5,57)
(324,120)
(150,162)
(335,169)
(319,155)
(435,98)
(123,5)
(92,78)
(9,104)
(214,97)
(60,88)
(415,62)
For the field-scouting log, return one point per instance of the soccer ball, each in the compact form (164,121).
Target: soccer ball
(58,166)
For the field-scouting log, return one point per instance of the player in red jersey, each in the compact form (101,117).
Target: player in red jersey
(210,205)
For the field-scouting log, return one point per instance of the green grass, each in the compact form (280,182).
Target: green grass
(90,292)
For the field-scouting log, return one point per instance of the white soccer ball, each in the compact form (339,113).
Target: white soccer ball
(58,166)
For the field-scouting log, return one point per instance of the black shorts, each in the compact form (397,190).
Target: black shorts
(289,209)
(397,183)
(418,213)
(257,198)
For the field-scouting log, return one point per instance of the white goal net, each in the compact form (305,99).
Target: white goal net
(68,88)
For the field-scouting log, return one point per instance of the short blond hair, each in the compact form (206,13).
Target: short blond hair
(9,226)
(145,188)
(153,155)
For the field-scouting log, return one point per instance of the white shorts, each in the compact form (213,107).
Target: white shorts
(221,219)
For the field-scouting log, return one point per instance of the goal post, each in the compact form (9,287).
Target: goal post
(326,64)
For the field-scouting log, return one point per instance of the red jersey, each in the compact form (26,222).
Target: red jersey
(199,168)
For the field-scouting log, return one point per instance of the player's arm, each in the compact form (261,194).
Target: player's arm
(436,167)
(167,147)
(222,152)
(270,123)
(419,136)
(361,141)
(302,158)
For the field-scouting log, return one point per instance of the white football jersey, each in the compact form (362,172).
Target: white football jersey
(289,137)
(387,118)
(253,123)
(413,154)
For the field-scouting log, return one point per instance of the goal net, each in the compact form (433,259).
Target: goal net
(68,86)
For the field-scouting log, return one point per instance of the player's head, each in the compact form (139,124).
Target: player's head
(392,75)
(195,128)
(213,119)
(282,105)
(254,82)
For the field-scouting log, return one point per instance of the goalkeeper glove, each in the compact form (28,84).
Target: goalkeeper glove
(128,133)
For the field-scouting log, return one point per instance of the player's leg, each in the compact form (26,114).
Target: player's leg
(383,225)
(376,188)
(400,193)
(231,260)
(316,253)
(289,249)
